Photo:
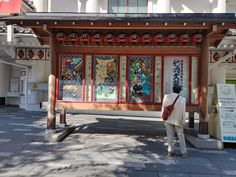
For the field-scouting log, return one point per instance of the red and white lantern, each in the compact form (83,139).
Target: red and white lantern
(97,38)
(41,54)
(84,38)
(216,56)
(21,54)
(121,38)
(171,38)
(197,38)
(73,38)
(159,38)
(30,54)
(147,38)
(60,37)
(134,38)
(184,38)
(109,38)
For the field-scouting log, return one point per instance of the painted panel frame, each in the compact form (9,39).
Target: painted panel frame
(71,78)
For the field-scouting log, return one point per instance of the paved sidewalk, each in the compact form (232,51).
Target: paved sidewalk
(101,146)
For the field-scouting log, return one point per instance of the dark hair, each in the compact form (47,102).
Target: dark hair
(177,88)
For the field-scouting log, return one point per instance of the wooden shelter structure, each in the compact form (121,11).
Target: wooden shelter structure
(128,61)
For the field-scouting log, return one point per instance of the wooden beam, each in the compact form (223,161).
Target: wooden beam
(109,106)
(149,50)
(118,25)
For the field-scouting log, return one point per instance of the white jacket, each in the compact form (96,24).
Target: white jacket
(177,116)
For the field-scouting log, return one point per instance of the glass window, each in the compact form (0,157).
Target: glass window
(127,6)
(133,6)
(122,6)
(71,77)
(142,6)
(112,6)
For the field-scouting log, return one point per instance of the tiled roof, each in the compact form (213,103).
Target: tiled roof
(168,17)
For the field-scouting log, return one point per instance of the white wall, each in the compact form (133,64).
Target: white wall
(219,76)
(231,6)
(66,5)
(200,6)
(4,79)
(40,71)
(154,6)
(90,6)
(40,5)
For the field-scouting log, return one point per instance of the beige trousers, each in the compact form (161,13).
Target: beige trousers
(170,131)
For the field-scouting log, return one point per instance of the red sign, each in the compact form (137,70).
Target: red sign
(10,6)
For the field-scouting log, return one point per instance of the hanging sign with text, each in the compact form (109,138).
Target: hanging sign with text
(176,71)
(227,111)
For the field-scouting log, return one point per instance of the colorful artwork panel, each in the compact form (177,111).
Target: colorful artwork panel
(140,79)
(105,78)
(71,77)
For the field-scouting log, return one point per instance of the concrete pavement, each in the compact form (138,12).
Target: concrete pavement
(103,146)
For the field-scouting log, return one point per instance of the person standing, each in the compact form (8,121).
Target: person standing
(176,121)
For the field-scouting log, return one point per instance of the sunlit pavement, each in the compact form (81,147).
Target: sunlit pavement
(101,146)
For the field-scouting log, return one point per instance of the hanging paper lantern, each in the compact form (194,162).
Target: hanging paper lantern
(21,54)
(197,38)
(171,38)
(73,38)
(41,54)
(85,38)
(97,38)
(134,38)
(60,37)
(121,38)
(30,54)
(146,38)
(216,56)
(109,38)
(184,38)
(159,38)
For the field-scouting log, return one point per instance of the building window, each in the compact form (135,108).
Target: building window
(127,6)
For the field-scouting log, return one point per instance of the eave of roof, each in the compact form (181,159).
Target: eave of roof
(167,17)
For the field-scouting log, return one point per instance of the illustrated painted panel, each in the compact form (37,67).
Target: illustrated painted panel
(105,78)
(176,71)
(71,77)
(140,79)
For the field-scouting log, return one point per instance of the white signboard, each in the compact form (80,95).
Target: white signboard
(176,71)
(227,111)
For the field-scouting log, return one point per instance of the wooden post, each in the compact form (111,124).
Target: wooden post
(203,117)
(191,119)
(51,120)
(63,117)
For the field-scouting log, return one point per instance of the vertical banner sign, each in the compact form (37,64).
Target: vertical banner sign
(176,71)
(10,6)
(227,111)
